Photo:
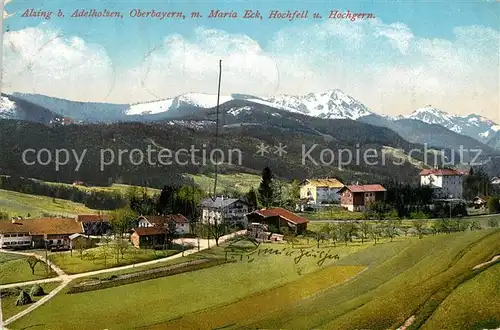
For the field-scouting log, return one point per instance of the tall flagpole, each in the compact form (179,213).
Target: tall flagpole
(2,12)
(1,81)
(217,129)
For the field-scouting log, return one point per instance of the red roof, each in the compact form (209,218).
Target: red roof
(278,211)
(441,172)
(42,226)
(148,231)
(365,188)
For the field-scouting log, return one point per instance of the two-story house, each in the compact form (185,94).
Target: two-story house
(181,222)
(358,197)
(222,209)
(321,191)
(52,233)
(447,183)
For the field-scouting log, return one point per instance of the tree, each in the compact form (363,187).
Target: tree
(375,233)
(419,226)
(380,209)
(493,223)
(32,262)
(165,202)
(391,229)
(105,249)
(334,233)
(80,246)
(294,192)
(347,230)
(170,233)
(365,230)
(122,219)
(251,198)
(4,215)
(494,204)
(474,224)
(279,196)
(217,229)
(37,291)
(266,192)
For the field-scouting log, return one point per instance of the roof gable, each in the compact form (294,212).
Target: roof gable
(285,214)
(43,226)
(441,172)
(364,188)
(324,183)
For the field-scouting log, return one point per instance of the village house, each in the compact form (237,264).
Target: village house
(480,202)
(77,241)
(279,219)
(320,191)
(358,197)
(224,210)
(148,237)
(95,224)
(52,233)
(151,229)
(182,225)
(447,183)
(495,181)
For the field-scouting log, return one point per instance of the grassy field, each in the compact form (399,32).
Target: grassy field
(160,300)
(422,277)
(476,299)
(16,203)
(413,281)
(9,307)
(121,189)
(240,182)
(15,268)
(103,257)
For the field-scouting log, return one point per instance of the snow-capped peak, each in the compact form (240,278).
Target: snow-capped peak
(187,100)
(202,100)
(7,108)
(473,125)
(332,104)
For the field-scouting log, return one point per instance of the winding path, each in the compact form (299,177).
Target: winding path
(65,279)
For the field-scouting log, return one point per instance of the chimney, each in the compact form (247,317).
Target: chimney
(14,220)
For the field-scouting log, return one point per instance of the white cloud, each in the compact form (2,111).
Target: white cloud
(385,66)
(41,60)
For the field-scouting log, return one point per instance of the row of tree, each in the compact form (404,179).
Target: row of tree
(346,232)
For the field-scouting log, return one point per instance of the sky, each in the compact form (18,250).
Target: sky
(408,55)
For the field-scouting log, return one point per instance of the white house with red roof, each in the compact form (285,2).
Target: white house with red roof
(358,197)
(447,183)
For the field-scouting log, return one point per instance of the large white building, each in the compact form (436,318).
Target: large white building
(321,191)
(447,183)
(232,211)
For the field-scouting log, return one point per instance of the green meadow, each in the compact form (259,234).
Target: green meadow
(15,268)
(370,286)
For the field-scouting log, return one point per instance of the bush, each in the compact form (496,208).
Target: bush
(493,223)
(37,291)
(493,205)
(23,299)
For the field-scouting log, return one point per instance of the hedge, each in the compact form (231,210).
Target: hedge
(114,281)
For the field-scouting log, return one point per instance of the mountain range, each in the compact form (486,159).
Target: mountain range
(424,125)
(332,120)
